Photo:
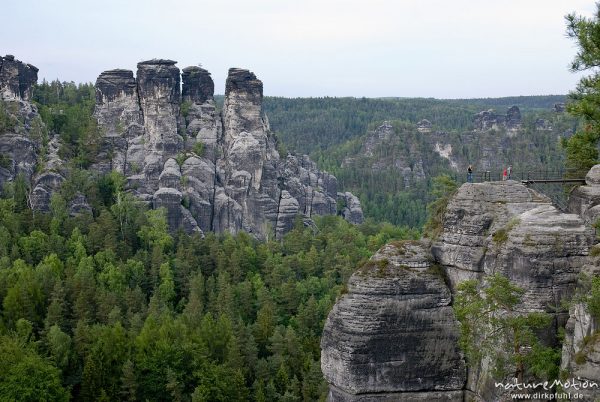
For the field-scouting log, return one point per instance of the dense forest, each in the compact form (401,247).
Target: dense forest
(111,306)
(307,125)
(334,130)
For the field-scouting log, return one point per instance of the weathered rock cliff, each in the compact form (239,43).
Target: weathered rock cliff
(394,336)
(24,133)
(507,228)
(585,200)
(211,171)
(161,129)
(369,350)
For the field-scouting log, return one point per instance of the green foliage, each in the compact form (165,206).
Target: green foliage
(67,110)
(491,327)
(112,306)
(27,376)
(593,298)
(443,189)
(334,132)
(582,148)
(8,122)
(500,236)
(5,161)
(180,158)
(199,148)
(307,125)
(185,108)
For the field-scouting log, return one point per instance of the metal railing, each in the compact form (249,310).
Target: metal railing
(525,176)
(552,183)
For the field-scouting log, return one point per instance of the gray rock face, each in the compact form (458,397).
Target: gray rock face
(507,228)
(394,336)
(352,211)
(119,114)
(581,350)
(16,79)
(489,120)
(369,348)
(424,126)
(198,86)
(513,118)
(585,200)
(203,126)
(160,98)
(231,176)
(20,146)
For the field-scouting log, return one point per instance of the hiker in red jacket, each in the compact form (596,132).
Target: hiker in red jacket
(504,174)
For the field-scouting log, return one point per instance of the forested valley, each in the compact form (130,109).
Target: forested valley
(341,135)
(109,305)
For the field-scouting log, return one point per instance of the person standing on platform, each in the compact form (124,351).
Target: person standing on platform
(504,174)
(470,174)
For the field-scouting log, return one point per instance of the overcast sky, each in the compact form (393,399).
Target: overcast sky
(372,48)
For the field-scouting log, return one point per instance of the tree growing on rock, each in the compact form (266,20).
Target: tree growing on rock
(493,330)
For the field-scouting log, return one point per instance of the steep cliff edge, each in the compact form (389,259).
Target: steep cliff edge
(211,171)
(487,228)
(507,228)
(585,200)
(21,136)
(394,336)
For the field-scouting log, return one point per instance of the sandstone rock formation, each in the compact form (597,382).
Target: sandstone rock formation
(211,171)
(504,227)
(369,350)
(19,145)
(489,120)
(424,126)
(585,200)
(16,79)
(393,336)
(581,347)
(507,228)
(22,145)
(351,210)
(581,351)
